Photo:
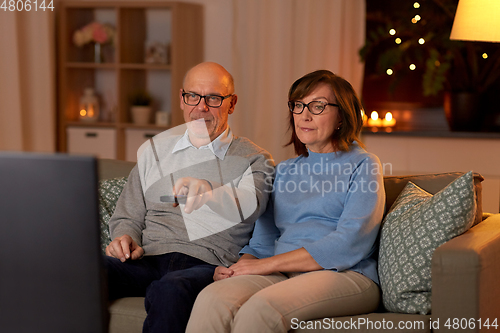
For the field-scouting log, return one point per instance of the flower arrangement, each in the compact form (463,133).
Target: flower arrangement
(94,32)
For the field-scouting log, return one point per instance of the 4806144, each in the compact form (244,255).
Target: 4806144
(27,5)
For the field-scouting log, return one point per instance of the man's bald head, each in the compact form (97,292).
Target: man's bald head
(211,69)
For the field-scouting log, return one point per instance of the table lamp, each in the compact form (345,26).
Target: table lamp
(477,20)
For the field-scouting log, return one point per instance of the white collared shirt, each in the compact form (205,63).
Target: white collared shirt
(218,147)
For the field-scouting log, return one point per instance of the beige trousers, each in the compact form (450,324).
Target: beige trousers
(269,303)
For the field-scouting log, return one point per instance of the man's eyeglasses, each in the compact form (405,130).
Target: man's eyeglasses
(315,107)
(193,99)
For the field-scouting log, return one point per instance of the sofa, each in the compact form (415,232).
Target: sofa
(465,275)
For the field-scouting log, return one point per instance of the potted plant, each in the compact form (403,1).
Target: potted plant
(419,34)
(140,107)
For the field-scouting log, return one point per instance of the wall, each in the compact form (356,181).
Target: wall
(418,155)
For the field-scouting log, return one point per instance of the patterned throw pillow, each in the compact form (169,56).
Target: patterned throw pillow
(415,226)
(109,191)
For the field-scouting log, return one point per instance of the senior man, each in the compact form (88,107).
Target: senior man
(167,250)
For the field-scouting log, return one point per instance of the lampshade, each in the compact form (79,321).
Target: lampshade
(477,20)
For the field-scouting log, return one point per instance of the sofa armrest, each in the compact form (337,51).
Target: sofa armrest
(465,274)
(108,168)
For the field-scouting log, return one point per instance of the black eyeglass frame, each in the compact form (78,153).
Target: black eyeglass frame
(184,93)
(291,106)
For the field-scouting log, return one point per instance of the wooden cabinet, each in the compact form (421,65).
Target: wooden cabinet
(134,138)
(100,142)
(123,70)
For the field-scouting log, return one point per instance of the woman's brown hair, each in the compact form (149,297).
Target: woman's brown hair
(350,108)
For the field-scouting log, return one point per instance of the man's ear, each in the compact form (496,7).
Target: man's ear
(180,99)
(234,99)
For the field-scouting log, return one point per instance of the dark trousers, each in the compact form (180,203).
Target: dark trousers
(169,282)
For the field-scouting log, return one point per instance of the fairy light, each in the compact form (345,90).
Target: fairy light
(421,41)
(398,40)
(485,55)
(374,115)
(413,67)
(416,5)
(392,32)
(388,116)
(389,71)
(417,17)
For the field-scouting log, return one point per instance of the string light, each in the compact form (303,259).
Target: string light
(413,67)
(416,5)
(374,115)
(485,56)
(398,40)
(392,32)
(389,71)
(421,41)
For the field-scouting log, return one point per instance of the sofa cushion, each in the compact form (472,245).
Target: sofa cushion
(109,191)
(127,315)
(432,183)
(415,226)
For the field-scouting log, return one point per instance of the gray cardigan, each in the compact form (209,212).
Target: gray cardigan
(214,233)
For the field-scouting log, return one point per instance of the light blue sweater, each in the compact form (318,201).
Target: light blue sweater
(330,204)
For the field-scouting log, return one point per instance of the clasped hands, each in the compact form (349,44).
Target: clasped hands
(247,265)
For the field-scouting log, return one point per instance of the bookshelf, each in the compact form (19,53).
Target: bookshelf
(123,70)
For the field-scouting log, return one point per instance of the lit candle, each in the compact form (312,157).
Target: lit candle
(388,120)
(374,120)
(364,117)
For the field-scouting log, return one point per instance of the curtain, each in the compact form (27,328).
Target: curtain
(277,41)
(27,81)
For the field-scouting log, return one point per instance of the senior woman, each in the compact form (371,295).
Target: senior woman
(311,253)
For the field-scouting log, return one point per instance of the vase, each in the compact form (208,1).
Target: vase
(141,115)
(463,111)
(98,53)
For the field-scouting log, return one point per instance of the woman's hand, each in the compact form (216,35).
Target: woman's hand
(253,267)
(294,261)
